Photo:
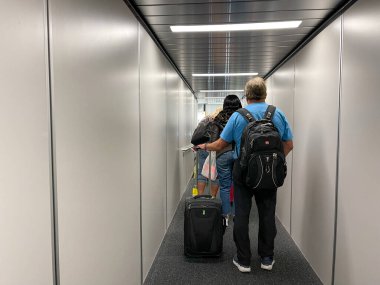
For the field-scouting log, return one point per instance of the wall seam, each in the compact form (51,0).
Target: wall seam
(338,148)
(180,154)
(52,150)
(139,111)
(166,147)
(291,175)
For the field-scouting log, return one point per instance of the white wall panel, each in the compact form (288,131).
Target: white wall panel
(173,171)
(25,184)
(269,84)
(186,165)
(315,150)
(191,125)
(283,98)
(153,148)
(189,116)
(96,123)
(182,115)
(194,123)
(358,231)
(182,136)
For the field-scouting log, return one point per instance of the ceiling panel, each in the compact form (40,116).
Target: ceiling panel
(301,4)
(206,19)
(223,52)
(245,50)
(232,7)
(200,43)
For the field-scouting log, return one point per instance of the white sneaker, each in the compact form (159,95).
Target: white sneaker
(242,268)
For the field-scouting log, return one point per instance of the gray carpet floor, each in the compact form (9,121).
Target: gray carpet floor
(172,267)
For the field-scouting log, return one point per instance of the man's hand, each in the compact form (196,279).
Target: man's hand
(217,145)
(202,146)
(195,148)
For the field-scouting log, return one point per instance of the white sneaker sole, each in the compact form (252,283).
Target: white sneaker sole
(241,268)
(267,267)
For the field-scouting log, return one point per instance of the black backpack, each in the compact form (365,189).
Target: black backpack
(262,159)
(206,131)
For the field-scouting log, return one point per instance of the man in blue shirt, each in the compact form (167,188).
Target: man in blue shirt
(255,92)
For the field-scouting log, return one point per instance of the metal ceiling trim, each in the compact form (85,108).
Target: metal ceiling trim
(197,3)
(140,17)
(335,13)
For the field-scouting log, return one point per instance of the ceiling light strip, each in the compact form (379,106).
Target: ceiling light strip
(219,91)
(223,74)
(236,27)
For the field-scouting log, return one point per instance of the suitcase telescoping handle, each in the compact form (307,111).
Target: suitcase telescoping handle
(203,196)
(196,165)
(197,170)
(209,172)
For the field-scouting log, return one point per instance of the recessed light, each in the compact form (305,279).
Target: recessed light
(236,27)
(217,91)
(223,74)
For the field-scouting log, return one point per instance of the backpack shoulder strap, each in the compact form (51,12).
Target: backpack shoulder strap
(269,113)
(246,115)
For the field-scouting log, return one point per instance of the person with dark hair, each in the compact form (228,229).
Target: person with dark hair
(255,92)
(225,157)
(202,155)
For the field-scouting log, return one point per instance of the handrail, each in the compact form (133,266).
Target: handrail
(186,148)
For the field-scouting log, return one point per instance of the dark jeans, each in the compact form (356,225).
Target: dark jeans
(266,205)
(224,167)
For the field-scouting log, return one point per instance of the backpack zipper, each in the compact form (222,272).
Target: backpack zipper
(273,178)
(262,173)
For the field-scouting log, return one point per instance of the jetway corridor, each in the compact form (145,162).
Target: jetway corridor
(98,104)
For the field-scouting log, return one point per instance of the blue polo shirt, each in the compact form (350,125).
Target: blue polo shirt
(236,124)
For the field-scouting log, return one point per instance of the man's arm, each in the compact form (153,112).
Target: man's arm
(216,145)
(288,146)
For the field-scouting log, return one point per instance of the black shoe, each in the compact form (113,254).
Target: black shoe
(267,262)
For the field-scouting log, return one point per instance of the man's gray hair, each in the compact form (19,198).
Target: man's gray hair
(255,89)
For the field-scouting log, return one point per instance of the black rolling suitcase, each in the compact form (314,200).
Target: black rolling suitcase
(203,225)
